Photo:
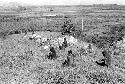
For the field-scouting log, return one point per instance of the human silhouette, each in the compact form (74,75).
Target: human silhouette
(102,62)
(107,57)
(65,44)
(66,62)
(52,55)
(70,52)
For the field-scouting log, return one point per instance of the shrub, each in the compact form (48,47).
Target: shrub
(119,79)
(82,51)
(24,30)
(4,34)
(68,27)
(117,32)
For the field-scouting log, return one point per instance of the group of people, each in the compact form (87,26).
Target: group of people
(70,56)
(69,61)
(52,54)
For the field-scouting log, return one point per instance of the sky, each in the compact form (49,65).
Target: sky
(65,2)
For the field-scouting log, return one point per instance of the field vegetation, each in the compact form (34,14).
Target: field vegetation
(68,54)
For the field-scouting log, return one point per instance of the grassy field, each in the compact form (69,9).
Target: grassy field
(24,60)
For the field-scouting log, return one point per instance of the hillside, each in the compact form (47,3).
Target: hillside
(74,44)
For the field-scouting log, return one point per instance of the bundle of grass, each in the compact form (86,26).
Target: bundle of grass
(89,48)
(11,32)
(4,34)
(25,31)
(35,37)
(6,61)
(17,32)
(82,51)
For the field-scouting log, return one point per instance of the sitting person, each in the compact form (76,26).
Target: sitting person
(69,62)
(107,57)
(101,62)
(66,62)
(52,55)
(64,45)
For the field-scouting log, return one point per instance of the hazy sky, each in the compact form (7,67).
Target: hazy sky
(66,2)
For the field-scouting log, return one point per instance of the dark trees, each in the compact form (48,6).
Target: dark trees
(68,27)
(107,39)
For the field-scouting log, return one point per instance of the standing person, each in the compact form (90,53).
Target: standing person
(60,46)
(65,44)
(72,57)
(89,48)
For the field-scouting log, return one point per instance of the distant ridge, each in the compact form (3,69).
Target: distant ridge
(12,4)
(105,4)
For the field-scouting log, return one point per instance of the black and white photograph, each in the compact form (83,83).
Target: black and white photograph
(62,41)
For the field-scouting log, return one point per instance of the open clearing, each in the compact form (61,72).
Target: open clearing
(62,45)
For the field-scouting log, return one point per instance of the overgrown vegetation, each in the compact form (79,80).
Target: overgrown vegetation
(106,40)
(99,77)
(104,77)
(68,27)
(4,34)
(96,21)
